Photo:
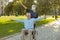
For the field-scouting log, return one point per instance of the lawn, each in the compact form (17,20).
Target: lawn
(9,27)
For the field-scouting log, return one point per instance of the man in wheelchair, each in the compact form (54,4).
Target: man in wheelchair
(28,26)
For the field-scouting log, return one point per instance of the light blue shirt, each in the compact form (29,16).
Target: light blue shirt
(29,23)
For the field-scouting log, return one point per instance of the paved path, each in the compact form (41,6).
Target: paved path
(47,32)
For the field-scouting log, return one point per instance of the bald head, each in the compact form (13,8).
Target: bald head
(28,15)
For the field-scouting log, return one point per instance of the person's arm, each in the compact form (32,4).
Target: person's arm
(37,19)
(23,5)
(17,20)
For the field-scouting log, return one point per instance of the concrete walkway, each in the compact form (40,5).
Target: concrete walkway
(49,31)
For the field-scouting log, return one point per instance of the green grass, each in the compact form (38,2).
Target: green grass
(44,21)
(9,27)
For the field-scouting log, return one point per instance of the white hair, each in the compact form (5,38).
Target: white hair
(33,7)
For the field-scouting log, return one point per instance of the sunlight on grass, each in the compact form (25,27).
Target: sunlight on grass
(21,16)
(5,19)
(11,30)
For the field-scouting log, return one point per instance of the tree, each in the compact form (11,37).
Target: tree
(46,7)
(8,9)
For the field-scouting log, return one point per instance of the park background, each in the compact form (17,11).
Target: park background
(12,8)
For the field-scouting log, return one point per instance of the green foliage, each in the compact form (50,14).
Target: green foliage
(46,7)
(8,8)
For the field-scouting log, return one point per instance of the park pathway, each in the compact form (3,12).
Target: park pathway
(49,31)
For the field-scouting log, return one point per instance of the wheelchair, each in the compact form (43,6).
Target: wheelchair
(34,34)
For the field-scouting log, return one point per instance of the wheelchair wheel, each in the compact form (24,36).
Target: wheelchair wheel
(34,35)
